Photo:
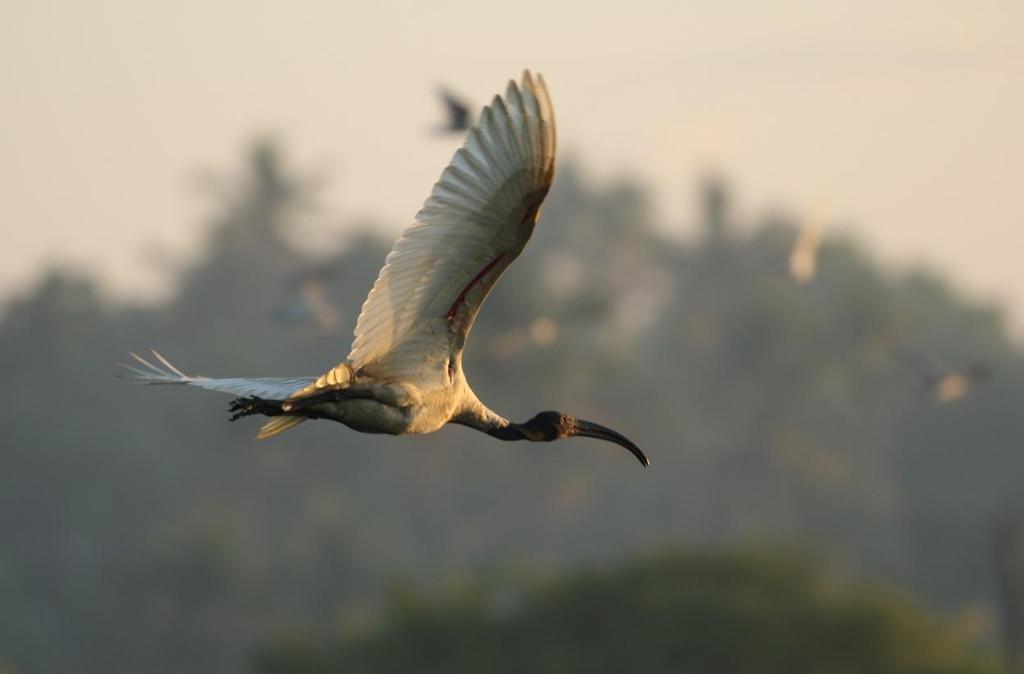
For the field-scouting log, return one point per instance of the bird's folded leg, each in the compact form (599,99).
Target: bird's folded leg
(331,395)
(392,395)
(245,407)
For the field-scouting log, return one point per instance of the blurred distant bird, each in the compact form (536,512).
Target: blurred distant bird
(307,304)
(404,371)
(803,260)
(541,332)
(946,385)
(456,110)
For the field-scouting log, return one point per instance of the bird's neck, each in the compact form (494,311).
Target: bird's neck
(477,415)
(482,418)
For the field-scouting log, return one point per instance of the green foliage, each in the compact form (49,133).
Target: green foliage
(756,612)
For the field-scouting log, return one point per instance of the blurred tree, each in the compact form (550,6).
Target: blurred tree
(760,612)
(1008,541)
(138,523)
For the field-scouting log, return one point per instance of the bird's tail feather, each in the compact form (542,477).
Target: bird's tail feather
(278,425)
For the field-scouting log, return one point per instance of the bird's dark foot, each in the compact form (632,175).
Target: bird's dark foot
(245,407)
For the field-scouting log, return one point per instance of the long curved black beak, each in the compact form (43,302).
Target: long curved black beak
(589,429)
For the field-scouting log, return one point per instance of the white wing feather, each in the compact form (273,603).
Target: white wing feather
(271,388)
(476,221)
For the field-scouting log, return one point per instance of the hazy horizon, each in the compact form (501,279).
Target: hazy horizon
(901,125)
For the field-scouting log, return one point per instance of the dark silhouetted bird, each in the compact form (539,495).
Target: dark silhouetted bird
(457,112)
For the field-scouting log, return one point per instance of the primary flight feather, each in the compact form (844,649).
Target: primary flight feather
(404,373)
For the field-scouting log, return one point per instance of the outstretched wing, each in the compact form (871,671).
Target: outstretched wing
(264,387)
(476,221)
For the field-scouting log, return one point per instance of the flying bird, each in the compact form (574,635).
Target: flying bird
(945,384)
(803,259)
(456,110)
(404,372)
(307,304)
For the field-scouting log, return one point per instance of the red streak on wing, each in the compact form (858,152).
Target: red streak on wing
(476,279)
(531,216)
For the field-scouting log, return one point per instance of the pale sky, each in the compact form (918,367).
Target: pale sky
(904,121)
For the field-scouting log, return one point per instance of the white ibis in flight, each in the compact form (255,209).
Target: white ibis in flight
(404,371)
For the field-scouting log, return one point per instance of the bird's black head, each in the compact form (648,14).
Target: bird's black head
(551,425)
